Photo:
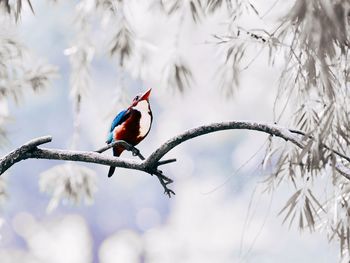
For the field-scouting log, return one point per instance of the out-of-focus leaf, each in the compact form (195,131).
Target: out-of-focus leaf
(122,44)
(15,7)
(170,6)
(229,72)
(39,78)
(291,203)
(315,200)
(268,157)
(178,74)
(309,214)
(197,10)
(6,5)
(15,76)
(68,182)
(214,5)
(304,151)
(253,8)
(302,204)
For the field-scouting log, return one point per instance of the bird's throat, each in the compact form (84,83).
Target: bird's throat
(145,119)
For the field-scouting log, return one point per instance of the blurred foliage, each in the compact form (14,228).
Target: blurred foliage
(178,74)
(14,7)
(19,71)
(68,182)
(122,43)
(315,37)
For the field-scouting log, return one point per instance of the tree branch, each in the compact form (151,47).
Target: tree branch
(149,165)
(275,130)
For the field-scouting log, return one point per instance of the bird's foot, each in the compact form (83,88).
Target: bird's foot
(133,150)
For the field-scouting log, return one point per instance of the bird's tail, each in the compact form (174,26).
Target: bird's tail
(117,151)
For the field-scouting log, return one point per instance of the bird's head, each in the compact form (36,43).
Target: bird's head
(141,97)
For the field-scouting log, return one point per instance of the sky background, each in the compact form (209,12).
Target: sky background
(217,215)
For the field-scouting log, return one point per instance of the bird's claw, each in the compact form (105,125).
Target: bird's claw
(135,152)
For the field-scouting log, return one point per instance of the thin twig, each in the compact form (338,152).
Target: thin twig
(166,162)
(343,156)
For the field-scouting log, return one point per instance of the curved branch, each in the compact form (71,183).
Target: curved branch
(214,127)
(151,164)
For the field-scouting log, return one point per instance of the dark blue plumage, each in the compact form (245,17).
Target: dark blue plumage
(119,119)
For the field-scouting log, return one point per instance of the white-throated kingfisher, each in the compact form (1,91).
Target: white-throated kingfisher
(131,125)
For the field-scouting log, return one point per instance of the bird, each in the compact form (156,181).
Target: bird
(131,125)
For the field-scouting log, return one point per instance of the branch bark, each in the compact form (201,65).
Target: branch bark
(150,164)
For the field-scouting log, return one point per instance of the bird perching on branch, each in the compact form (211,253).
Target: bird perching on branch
(131,125)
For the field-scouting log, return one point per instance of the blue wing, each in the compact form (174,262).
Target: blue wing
(119,119)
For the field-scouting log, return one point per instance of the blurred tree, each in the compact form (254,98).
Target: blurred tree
(314,38)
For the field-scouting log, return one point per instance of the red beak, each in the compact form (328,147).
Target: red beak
(145,96)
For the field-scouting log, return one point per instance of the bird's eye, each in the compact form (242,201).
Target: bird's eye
(136,98)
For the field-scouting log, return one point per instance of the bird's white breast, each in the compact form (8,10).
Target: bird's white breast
(146,119)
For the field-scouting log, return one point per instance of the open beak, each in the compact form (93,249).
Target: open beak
(145,96)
